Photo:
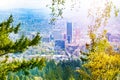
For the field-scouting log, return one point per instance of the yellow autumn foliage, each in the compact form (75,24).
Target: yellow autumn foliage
(102,63)
(103,66)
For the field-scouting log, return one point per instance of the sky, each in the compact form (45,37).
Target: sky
(7,4)
(76,15)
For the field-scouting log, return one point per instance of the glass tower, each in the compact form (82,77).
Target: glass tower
(69,32)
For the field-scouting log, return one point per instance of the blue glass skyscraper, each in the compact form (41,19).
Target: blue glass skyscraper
(69,32)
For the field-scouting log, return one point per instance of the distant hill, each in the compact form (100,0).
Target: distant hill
(31,19)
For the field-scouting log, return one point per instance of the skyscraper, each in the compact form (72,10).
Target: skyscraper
(69,32)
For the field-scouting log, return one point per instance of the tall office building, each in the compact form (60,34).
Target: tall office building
(69,32)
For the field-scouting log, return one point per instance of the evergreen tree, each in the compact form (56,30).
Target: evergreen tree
(9,46)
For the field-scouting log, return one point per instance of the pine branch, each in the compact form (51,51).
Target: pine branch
(7,45)
(17,65)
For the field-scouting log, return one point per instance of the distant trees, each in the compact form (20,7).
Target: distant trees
(8,46)
(63,70)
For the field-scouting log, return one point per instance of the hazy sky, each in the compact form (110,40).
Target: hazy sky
(8,4)
(76,15)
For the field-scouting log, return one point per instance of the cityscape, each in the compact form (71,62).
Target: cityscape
(64,38)
(60,40)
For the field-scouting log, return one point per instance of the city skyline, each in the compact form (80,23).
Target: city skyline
(59,39)
(71,29)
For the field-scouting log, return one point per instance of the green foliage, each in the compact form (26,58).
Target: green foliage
(9,46)
(63,70)
(57,7)
(17,65)
(51,71)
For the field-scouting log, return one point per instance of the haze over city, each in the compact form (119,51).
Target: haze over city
(59,39)
(80,10)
